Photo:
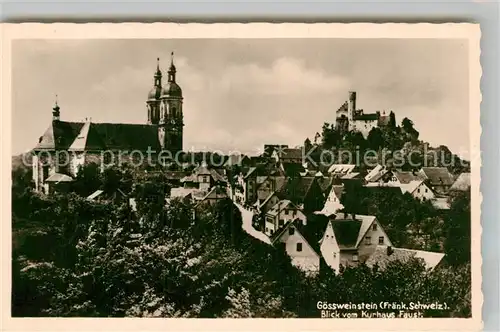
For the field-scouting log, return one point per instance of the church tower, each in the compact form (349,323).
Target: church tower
(153,102)
(171,121)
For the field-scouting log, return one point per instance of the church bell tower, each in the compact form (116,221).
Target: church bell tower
(171,113)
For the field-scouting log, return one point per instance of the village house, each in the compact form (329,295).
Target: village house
(298,248)
(304,192)
(419,190)
(332,204)
(203,178)
(350,239)
(439,179)
(281,213)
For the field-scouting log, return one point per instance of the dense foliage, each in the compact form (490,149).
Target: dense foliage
(74,257)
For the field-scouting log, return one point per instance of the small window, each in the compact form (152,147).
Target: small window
(299,246)
(418,190)
(426,190)
(334,255)
(374,226)
(355,257)
(267,230)
(381,240)
(291,231)
(282,222)
(272,231)
(368,240)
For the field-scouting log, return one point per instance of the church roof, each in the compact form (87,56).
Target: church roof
(59,136)
(171,89)
(80,136)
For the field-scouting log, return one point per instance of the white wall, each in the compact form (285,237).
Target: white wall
(330,249)
(307,259)
(423,192)
(365,126)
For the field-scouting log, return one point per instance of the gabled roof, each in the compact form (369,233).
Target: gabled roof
(438,176)
(88,139)
(407,177)
(58,177)
(352,234)
(280,206)
(62,135)
(296,189)
(381,256)
(59,136)
(346,232)
(410,187)
(462,183)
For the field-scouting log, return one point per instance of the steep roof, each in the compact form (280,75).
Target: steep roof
(80,136)
(297,188)
(59,135)
(438,175)
(346,232)
(410,187)
(462,183)
(381,256)
(407,177)
(88,139)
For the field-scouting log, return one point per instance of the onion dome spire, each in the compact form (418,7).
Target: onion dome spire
(55,111)
(172,69)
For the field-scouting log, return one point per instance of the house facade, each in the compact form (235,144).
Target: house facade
(301,253)
(282,213)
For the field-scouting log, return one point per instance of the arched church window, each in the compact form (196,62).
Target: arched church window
(174,111)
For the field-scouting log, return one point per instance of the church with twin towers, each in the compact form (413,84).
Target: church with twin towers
(85,142)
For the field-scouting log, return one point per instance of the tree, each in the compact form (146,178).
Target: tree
(458,227)
(375,139)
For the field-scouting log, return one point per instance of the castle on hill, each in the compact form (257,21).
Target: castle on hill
(86,142)
(351,119)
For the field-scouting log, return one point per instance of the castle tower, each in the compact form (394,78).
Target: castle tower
(171,115)
(351,109)
(153,102)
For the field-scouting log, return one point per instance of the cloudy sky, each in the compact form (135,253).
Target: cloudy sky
(242,93)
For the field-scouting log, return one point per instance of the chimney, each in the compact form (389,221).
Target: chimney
(389,250)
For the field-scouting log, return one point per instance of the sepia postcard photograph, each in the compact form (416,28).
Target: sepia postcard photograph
(241,176)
